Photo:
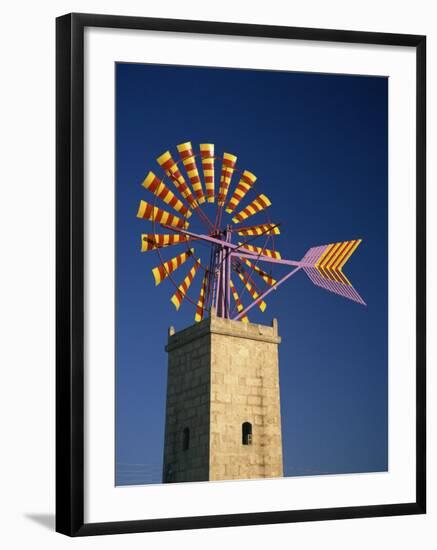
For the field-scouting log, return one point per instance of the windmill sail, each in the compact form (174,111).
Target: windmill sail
(171,169)
(261,229)
(182,289)
(162,271)
(152,241)
(265,276)
(243,276)
(228,167)
(324,266)
(207,155)
(257,205)
(192,185)
(237,301)
(246,182)
(189,160)
(200,306)
(153,213)
(260,251)
(160,190)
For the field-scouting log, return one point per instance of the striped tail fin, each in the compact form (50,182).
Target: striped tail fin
(324,267)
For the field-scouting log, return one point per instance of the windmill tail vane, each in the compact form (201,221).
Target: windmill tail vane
(228,252)
(324,267)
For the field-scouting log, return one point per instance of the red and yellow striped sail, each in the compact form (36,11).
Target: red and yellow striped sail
(265,276)
(261,304)
(162,271)
(200,306)
(261,229)
(207,155)
(246,182)
(189,160)
(182,290)
(228,166)
(261,251)
(257,205)
(170,167)
(152,241)
(331,262)
(153,213)
(238,303)
(160,190)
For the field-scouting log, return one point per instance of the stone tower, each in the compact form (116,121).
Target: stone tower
(223,413)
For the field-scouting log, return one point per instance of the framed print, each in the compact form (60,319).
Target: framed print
(240,274)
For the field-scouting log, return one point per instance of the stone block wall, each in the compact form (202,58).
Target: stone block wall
(244,388)
(187,406)
(222,373)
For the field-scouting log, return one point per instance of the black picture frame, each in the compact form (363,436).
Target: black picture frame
(70,273)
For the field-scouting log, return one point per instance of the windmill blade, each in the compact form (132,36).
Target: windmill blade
(246,182)
(154,214)
(237,301)
(261,229)
(265,276)
(189,160)
(324,266)
(260,251)
(160,190)
(162,271)
(243,276)
(153,241)
(207,155)
(182,290)
(257,205)
(200,306)
(228,166)
(170,167)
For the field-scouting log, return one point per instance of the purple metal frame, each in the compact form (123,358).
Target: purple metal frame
(223,253)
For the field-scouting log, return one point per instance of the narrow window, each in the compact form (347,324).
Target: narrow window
(247,433)
(186,439)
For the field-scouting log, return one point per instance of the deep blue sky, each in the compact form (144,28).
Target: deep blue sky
(318,144)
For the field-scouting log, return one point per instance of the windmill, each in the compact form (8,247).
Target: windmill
(223,416)
(233,242)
